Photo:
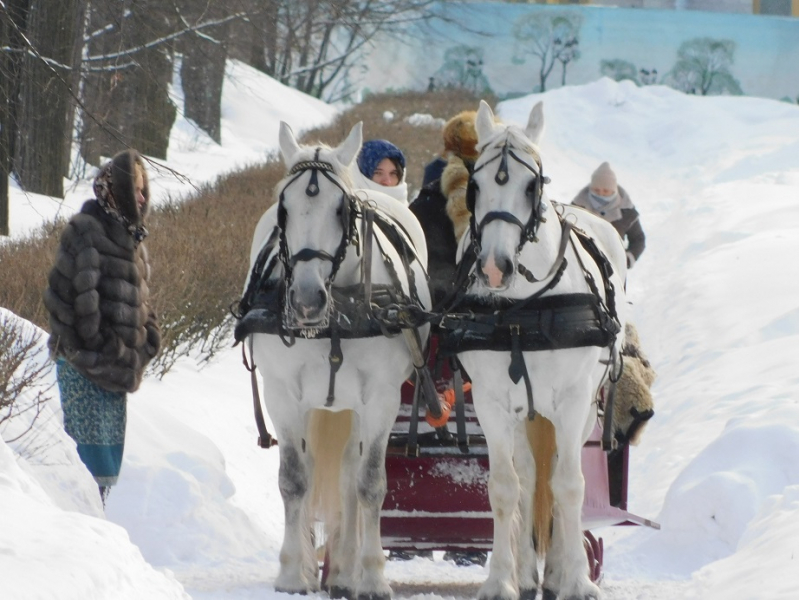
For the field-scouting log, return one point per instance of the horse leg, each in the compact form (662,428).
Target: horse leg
(298,567)
(503,493)
(371,490)
(526,559)
(566,573)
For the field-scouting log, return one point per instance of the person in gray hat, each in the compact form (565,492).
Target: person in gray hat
(606,198)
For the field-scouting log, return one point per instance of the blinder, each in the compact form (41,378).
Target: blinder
(534,193)
(346,212)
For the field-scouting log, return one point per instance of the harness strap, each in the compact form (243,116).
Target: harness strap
(608,439)
(518,369)
(460,407)
(412,447)
(265,439)
(565,233)
(366,263)
(335,358)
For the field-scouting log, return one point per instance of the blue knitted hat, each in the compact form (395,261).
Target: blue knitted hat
(373,151)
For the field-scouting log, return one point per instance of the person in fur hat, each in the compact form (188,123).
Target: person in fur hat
(441,210)
(441,203)
(381,167)
(606,198)
(104,330)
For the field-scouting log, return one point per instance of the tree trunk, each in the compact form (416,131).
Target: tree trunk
(11,20)
(202,73)
(44,130)
(128,102)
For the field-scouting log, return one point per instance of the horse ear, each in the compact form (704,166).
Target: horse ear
(288,143)
(350,147)
(535,123)
(484,123)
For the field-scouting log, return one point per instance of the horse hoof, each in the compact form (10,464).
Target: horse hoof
(530,594)
(549,595)
(301,592)
(374,596)
(338,591)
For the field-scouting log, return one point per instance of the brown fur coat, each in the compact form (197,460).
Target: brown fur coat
(101,319)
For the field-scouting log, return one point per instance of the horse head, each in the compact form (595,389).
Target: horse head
(505,194)
(315,219)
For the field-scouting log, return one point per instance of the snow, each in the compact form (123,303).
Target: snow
(715,297)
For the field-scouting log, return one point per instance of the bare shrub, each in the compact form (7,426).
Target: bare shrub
(199,245)
(22,369)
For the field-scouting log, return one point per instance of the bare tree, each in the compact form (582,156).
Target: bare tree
(703,68)
(42,152)
(202,69)
(463,69)
(309,44)
(550,36)
(12,23)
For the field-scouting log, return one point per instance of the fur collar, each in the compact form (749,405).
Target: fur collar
(454,180)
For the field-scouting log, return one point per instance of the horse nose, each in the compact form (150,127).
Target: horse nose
(495,271)
(309,305)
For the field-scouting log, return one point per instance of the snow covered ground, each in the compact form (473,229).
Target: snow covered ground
(715,297)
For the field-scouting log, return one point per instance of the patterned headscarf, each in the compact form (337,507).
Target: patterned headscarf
(103,192)
(374,151)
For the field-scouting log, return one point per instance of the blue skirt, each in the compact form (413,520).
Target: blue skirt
(95,418)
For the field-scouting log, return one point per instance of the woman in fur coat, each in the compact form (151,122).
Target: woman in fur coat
(104,330)
(441,203)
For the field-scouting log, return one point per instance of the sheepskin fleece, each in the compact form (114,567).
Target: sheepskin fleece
(634,405)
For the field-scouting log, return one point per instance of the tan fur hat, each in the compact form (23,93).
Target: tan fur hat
(460,136)
(604,178)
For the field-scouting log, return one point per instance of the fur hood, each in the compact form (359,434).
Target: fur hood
(454,181)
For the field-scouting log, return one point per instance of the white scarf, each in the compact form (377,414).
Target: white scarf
(360,182)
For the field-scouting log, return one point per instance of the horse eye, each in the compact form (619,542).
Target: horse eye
(530,191)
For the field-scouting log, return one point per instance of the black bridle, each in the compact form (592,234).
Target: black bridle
(347,211)
(534,193)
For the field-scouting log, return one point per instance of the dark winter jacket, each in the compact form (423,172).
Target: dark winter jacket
(623,216)
(101,319)
(440,208)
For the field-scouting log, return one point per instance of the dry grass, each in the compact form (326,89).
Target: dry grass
(199,246)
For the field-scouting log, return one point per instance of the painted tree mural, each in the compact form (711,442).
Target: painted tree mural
(623,70)
(463,69)
(619,70)
(703,68)
(552,37)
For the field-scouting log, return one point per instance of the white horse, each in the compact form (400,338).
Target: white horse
(516,230)
(333,401)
